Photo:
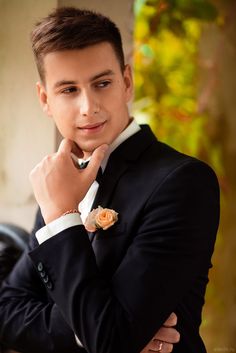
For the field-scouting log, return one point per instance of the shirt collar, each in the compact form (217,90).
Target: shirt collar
(131,129)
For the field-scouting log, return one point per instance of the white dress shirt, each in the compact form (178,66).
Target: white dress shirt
(85,205)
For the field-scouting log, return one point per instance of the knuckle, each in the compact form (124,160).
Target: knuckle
(172,320)
(151,345)
(168,334)
(47,158)
(154,344)
(177,336)
(173,316)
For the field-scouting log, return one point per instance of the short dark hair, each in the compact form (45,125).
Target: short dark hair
(69,28)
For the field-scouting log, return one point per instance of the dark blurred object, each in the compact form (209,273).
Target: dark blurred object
(13,241)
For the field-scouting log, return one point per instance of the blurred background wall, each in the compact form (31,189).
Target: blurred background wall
(25,134)
(185,76)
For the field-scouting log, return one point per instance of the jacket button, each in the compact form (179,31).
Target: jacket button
(46,279)
(42,274)
(40,266)
(49,285)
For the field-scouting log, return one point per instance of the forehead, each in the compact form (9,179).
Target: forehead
(82,63)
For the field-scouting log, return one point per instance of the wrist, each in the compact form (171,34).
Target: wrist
(50,217)
(74,210)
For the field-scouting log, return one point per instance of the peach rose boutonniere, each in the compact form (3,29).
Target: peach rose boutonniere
(100,218)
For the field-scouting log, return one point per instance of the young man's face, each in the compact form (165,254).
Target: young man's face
(87,94)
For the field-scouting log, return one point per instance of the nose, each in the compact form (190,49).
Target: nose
(88,104)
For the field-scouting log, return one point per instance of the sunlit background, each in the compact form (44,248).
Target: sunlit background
(185,85)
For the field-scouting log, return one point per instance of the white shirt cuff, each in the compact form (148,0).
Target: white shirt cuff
(57,226)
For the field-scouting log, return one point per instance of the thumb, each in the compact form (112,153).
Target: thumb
(96,159)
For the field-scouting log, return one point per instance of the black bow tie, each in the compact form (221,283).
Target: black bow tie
(83,165)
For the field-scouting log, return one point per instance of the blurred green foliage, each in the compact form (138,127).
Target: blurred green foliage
(167,34)
(166,38)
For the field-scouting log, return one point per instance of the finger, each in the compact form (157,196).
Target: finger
(159,346)
(40,165)
(65,146)
(168,334)
(77,150)
(171,321)
(96,159)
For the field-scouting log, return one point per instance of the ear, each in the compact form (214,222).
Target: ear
(43,98)
(128,80)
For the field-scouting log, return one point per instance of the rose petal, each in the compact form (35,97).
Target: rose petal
(100,218)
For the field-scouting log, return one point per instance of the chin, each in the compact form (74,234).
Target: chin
(90,146)
(88,149)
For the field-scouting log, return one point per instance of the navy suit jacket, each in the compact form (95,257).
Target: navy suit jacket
(115,288)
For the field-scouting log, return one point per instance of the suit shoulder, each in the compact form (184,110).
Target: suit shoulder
(164,161)
(160,154)
(170,156)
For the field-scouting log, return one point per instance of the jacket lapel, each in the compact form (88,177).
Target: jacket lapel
(112,174)
(118,162)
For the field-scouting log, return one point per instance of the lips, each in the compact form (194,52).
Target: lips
(92,127)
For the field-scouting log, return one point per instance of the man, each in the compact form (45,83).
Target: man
(148,248)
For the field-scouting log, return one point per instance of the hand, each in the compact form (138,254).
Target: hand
(58,185)
(166,335)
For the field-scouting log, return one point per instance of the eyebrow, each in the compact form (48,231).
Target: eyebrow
(104,73)
(93,78)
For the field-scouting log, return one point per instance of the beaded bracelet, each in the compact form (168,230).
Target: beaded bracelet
(71,211)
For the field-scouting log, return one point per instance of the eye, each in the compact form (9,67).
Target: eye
(69,90)
(103,84)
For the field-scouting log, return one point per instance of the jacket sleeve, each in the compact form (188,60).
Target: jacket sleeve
(29,320)
(171,248)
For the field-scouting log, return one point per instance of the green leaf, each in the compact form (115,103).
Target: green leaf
(138,6)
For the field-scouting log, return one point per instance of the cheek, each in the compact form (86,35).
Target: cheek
(61,114)
(64,124)
(116,101)
(60,104)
